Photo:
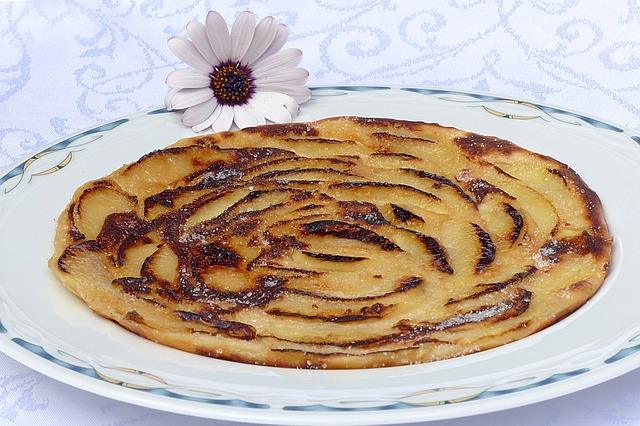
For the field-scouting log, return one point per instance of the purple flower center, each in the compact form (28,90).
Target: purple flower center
(232,83)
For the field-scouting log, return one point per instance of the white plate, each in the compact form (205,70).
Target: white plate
(46,328)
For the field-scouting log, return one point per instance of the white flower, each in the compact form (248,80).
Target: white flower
(240,76)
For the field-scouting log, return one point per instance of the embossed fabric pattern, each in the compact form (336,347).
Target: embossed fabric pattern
(65,66)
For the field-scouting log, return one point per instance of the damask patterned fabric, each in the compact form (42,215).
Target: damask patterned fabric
(68,65)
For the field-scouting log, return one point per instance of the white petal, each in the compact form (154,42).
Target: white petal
(168,97)
(198,34)
(209,121)
(218,35)
(300,93)
(197,114)
(293,76)
(188,79)
(257,114)
(272,110)
(243,117)
(241,34)
(184,98)
(282,34)
(287,101)
(187,52)
(286,58)
(262,39)
(225,120)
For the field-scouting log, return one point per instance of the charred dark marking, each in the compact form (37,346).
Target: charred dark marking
(295,171)
(244,228)
(487,248)
(226,218)
(154,302)
(164,198)
(514,306)
(302,195)
(214,255)
(234,329)
(480,188)
(497,286)
(309,207)
(559,174)
(253,155)
(118,226)
(334,257)
(215,173)
(74,232)
(366,312)
(349,231)
(590,198)
(287,129)
(361,211)
(297,159)
(219,175)
(72,250)
(479,145)
(169,293)
(133,240)
(553,249)
(294,182)
(268,288)
(167,197)
(502,172)
(392,352)
(518,222)
(413,342)
(352,185)
(442,180)
(404,215)
(133,285)
(322,140)
(404,285)
(582,245)
(375,309)
(134,316)
(401,155)
(440,261)
(117,229)
(388,122)
(409,283)
(277,247)
(297,219)
(400,138)
(296,271)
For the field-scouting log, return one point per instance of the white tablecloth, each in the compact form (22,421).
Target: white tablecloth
(67,66)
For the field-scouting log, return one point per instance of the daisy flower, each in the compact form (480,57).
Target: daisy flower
(239,76)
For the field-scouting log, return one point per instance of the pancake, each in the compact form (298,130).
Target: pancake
(343,243)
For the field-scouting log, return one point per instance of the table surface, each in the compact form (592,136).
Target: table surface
(65,66)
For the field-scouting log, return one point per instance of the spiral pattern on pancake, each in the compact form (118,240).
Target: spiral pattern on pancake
(344,243)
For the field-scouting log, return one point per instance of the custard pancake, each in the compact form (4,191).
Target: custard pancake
(342,243)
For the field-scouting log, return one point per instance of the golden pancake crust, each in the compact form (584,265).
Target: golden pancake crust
(343,243)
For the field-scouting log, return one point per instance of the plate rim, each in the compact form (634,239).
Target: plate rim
(61,373)
(273,417)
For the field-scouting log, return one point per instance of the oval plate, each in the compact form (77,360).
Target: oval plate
(46,328)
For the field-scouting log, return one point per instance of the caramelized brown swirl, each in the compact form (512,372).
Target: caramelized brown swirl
(348,242)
